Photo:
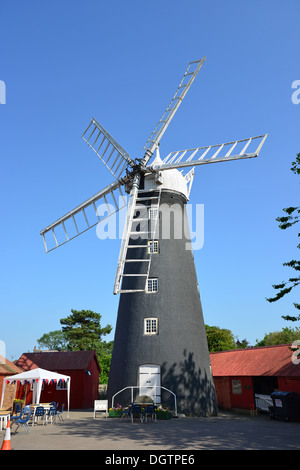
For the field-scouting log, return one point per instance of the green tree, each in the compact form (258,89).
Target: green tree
(219,339)
(104,361)
(286,336)
(242,344)
(84,332)
(54,340)
(286,221)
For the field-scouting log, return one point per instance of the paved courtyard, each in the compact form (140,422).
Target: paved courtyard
(228,431)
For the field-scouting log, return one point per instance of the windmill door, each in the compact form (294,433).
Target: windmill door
(149,381)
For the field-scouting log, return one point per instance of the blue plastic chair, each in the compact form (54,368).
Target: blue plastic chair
(39,413)
(24,422)
(27,409)
(17,408)
(16,416)
(126,412)
(150,411)
(59,414)
(51,412)
(136,411)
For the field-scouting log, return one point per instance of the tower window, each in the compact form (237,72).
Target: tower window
(153,246)
(153,212)
(152,285)
(151,326)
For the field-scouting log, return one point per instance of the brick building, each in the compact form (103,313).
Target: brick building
(241,374)
(8,368)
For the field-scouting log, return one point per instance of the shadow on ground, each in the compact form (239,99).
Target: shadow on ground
(224,432)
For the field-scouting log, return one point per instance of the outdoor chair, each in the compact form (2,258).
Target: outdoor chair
(136,411)
(17,408)
(24,422)
(126,412)
(50,414)
(59,414)
(150,411)
(39,413)
(16,416)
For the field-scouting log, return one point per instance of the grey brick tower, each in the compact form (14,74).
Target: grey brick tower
(160,335)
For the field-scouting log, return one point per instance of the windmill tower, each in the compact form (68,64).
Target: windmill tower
(160,346)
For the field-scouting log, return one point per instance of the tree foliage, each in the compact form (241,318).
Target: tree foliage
(54,340)
(104,361)
(286,336)
(291,218)
(219,339)
(82,331)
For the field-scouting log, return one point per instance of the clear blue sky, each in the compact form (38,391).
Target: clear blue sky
(121,62)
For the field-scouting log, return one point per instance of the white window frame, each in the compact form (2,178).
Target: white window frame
(152,285)
(153,246)
(151,326)
(153,212)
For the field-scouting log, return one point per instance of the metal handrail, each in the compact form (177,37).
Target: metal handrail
(145,386)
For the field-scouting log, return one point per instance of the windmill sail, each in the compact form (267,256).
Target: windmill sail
(239,149)
(84,216)
(161,127)
(114,157)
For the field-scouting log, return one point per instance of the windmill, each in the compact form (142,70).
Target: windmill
(160,345)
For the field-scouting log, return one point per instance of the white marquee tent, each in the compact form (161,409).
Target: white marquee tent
(37,377)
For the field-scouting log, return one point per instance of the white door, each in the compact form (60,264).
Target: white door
(149,381)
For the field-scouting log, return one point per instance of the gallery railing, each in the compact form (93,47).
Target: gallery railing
(132,387)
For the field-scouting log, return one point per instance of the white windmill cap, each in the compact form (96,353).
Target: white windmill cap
(171,180)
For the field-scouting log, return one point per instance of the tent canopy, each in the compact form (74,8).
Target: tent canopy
(37,376)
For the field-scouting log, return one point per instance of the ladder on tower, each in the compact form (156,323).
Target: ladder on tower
(143,231)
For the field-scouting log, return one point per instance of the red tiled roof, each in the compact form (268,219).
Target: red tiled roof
(268,360)
(57,360)
(7,367)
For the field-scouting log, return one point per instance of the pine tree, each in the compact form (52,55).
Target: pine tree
(286,221)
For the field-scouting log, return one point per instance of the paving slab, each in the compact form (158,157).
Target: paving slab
(228,431)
